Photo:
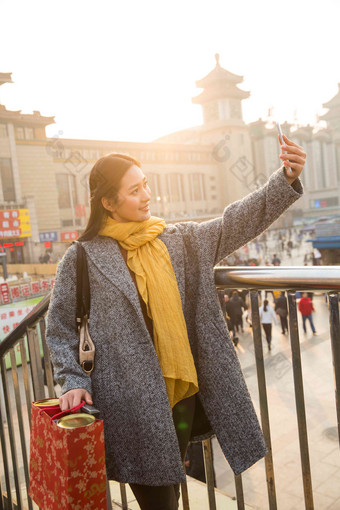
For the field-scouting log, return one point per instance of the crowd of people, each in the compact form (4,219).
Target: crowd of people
(235,302)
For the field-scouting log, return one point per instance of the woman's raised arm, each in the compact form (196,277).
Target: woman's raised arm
(247,218)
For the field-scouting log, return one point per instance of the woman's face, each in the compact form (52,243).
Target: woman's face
(133,198)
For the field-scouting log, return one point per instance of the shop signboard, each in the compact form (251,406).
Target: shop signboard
(68,237)
(45,237)
(15,223)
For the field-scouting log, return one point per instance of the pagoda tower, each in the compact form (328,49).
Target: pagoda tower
(221,98)
(332,117)
(224,128)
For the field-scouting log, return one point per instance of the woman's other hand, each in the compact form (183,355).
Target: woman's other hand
(295,158)
(73,398)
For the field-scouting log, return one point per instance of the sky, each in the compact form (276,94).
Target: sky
(126,70)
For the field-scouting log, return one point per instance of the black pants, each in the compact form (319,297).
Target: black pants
(268,331)
(167,497)
(284,323)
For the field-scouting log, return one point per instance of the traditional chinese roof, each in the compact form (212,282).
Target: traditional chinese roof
(335,101)
(333,106)
(219,83)
(5,78)
(27,119)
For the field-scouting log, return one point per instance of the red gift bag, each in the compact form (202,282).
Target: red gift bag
(67,466)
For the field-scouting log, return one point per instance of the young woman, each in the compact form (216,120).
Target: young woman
(267,317)
(165,370)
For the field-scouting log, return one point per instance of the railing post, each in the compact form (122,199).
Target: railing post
(23,353)
(47,362)
(261,380)
(36,366)
(185,496)
(20,422)
(209,472)
(300,401)
(123,496)
(239,492)
(6,501)
(11,434)
(335,339)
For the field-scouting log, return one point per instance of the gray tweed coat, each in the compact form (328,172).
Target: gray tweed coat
(127,385)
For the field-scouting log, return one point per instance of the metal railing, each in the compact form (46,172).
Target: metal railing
(30,378)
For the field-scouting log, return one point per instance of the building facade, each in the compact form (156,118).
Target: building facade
(193,173)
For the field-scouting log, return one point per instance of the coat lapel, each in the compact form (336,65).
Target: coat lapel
(106,256)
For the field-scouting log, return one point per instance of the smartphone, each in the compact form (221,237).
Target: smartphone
(283,143)
(89,410)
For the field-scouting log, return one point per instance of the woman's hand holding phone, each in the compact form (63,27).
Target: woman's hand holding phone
(294,157)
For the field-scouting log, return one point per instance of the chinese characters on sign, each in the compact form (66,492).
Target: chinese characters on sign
(48,236)
(24,290)
(68,237)
(4,293)
(10,318)
(15,223)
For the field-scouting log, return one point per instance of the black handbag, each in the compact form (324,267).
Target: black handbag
(86,346)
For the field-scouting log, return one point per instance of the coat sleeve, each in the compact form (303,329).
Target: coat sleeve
(61,335)
(242,220)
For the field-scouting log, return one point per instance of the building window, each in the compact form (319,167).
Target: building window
(154,183)
(197,188)
(235,109)
(29,133)
(19,133)
(84,183)
(224,109)
(3,131)
(7,180)
(210,112)
(67,223)
(319,164)
(66,186)
(175,185)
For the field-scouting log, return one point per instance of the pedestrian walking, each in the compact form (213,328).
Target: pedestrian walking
(229,321)
(236,306)
(306,308)
(267,317)
(275,260)
(281,309)
(165,370)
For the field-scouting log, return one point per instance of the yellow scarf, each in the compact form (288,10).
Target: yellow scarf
(149,259)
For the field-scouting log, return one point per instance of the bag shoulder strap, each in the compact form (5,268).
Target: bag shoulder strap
(83,286)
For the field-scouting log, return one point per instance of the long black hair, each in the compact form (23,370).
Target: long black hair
(104,181)
(265,303)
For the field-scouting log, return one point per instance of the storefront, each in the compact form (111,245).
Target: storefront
(15,227)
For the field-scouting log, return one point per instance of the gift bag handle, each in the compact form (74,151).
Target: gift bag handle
(68,411)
